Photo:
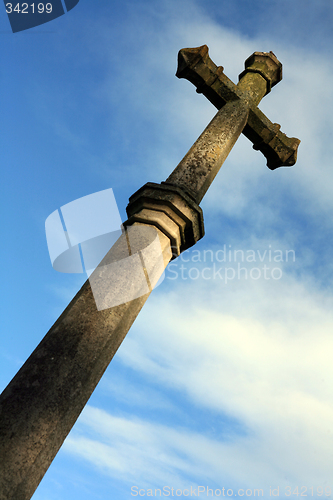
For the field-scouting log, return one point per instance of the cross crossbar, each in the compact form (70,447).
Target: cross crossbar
(196,66)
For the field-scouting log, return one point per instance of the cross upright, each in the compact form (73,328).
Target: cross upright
(41,404)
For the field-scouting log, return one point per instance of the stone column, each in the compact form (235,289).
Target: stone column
(43,401)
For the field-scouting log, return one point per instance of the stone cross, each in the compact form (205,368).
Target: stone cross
(41,404)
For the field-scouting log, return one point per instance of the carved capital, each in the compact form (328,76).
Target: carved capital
(169,209)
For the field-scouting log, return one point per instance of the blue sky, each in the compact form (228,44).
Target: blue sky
(222,384)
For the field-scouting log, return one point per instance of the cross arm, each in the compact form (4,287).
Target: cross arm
(196,66)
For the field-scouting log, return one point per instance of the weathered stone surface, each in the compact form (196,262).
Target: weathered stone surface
(266,65)
(198,168)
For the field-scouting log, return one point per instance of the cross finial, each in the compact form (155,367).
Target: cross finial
(175,201)
(262,71)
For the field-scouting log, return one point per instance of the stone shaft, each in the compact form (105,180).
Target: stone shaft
(198,168)
(42,402)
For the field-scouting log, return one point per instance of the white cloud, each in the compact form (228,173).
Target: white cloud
(262,356)
(132,393)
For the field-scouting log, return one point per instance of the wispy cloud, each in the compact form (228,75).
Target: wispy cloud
(133,394)
(263,357)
